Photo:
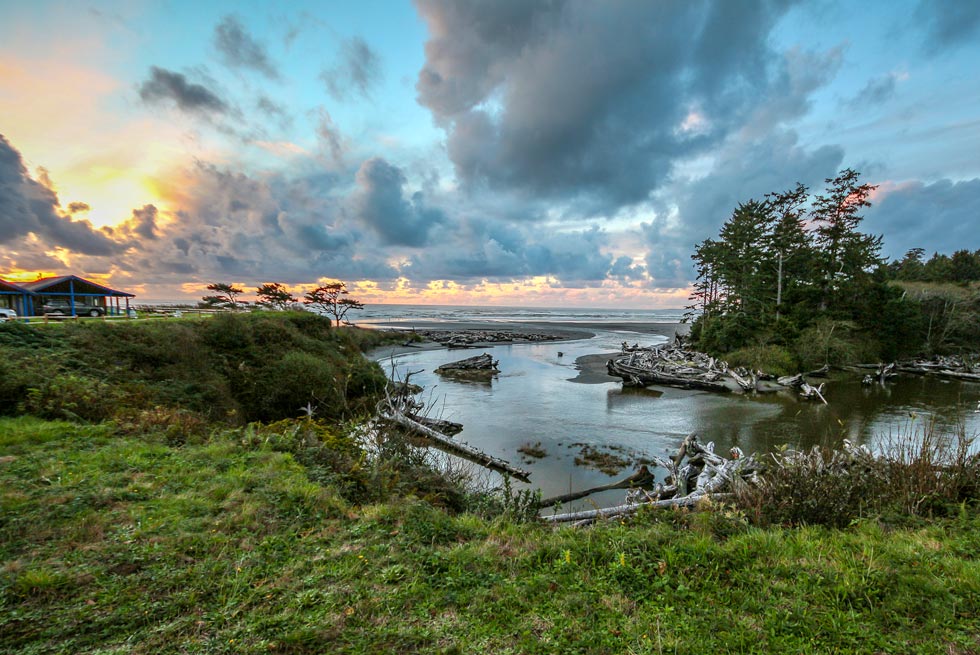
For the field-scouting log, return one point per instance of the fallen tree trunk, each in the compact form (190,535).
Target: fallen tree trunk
(641,478)
(449,428)
(453,447)
(956,375)
(632,508)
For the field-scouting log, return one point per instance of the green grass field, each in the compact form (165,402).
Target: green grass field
(124,544)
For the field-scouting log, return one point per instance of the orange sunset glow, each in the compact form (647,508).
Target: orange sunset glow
(163,149)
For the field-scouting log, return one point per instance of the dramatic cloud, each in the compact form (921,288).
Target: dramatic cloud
(589,99)
(144,222)
(239,50)
(357,72)
(382,205)
(29,207)
(164,86)
(941,216)
(76,207)
(227,224)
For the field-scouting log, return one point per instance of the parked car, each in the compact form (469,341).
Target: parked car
(7,314)
(63,308)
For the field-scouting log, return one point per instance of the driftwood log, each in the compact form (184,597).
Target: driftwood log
(950,367)
(642,478)
(463,450)
(483,364)
(478,338)
(400,407)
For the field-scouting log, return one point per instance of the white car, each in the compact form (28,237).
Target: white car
(7,314)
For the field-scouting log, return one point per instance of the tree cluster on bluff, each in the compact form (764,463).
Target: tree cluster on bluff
(794,267)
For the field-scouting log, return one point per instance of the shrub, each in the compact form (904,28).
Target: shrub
(70,396)
(835,343)
(178,426)
(768,359)
(920,473)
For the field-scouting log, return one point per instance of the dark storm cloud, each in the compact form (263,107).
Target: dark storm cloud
(27,206)
(875,92)
(942,216)
(164,86)
(357,72)
(239,50)
(947,24)
(381,204)
(579,98)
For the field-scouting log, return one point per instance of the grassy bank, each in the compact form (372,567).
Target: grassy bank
(184,509)
(232,368)
(113,543)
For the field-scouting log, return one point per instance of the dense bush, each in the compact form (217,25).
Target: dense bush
(233,368)
(924,473)
(770,359)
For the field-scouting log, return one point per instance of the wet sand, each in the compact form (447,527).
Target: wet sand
(592,369)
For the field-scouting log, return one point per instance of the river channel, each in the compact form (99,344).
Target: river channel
(535,399)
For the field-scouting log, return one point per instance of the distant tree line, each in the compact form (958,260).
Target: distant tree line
(793,273)
(960,267)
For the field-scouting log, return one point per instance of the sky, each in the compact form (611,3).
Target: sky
(513,152)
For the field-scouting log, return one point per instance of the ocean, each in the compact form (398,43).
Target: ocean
(407,314)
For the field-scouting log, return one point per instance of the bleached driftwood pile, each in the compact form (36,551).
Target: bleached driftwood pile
(674,367)
(953,367)
(693,474)
(476,338)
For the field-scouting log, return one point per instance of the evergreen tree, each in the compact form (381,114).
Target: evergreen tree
(225,295)
(845,256)
(788,245)
(275,295)
(740,256)
(910,267)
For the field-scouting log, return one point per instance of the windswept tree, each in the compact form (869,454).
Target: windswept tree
(846,257)
(275,296)
(225,295)
(331,299)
